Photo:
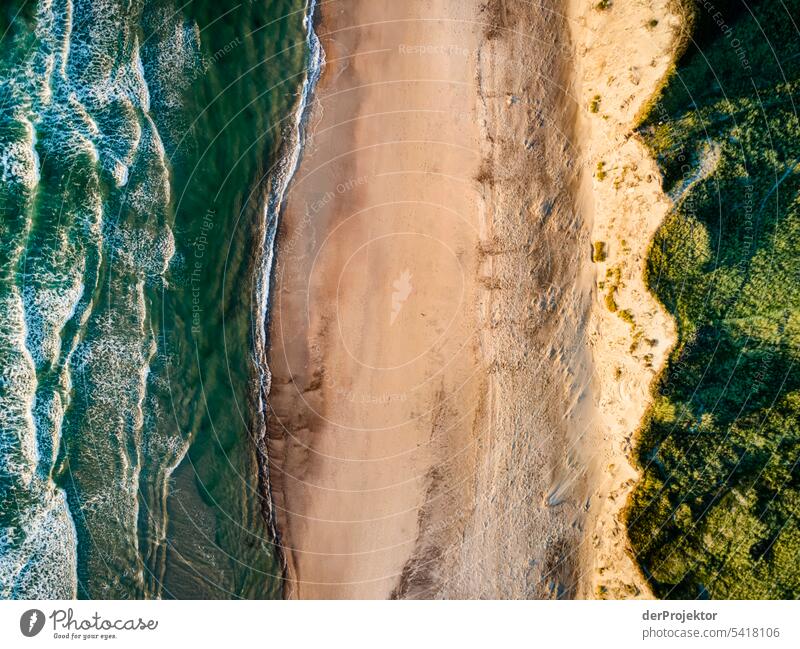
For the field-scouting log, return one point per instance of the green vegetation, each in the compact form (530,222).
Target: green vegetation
(603,4)
(599,252)
(601,173)
(716,512)
(594,105)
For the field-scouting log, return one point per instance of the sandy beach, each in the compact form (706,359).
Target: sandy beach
(446,418)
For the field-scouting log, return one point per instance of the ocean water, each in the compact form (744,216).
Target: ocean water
(145,147)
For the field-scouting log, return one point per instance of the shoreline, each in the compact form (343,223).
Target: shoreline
(279,184)
(439,424)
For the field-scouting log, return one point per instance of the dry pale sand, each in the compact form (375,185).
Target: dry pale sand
(442,418)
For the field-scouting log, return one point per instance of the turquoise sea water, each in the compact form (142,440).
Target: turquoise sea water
(144,147)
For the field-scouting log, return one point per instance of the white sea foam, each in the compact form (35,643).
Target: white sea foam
(176,59)
(18,165)
(144,91)
(67,14)
(144,252)
(120,173)
(37,556)
(35,172)
(17,430)
(91,129)
(37,552)
(19,160)
(49,305)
